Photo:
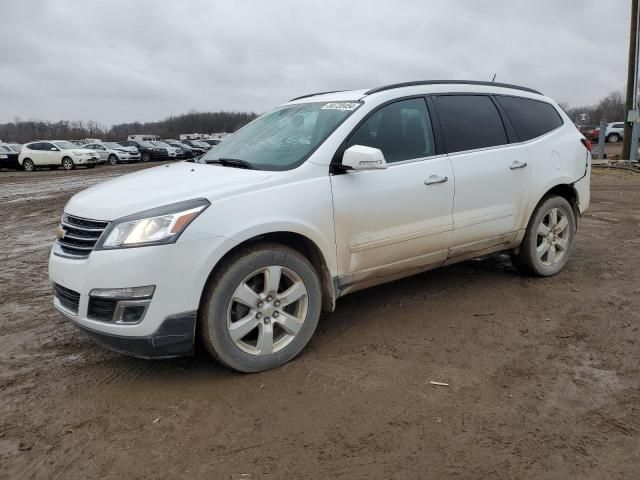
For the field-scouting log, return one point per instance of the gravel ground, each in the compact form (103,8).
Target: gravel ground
(544,373)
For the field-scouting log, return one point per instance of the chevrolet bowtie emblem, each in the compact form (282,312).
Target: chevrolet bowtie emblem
(60,232)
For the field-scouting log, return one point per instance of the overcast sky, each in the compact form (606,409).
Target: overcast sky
(118,61)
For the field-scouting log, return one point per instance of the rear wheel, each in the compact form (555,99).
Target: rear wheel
(113,160)
(261,308)
(549,239)
(28,165)
(613,138)
(68,164)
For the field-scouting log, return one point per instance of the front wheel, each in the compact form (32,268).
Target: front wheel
(613,138)
(146,157)
(549,239)
(113,160)
(68,164)
(261,309)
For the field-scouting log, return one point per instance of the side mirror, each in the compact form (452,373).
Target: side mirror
(359,157)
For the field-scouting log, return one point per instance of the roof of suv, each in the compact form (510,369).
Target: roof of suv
(360,94)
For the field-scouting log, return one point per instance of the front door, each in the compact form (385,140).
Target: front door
(398,220)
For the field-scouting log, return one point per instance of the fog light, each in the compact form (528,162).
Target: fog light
(132,314)
(124,293)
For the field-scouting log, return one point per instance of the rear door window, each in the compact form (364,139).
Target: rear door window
(469,122)
(530,118)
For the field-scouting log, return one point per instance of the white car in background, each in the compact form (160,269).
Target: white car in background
(54,154)
(614,132)
(114,153)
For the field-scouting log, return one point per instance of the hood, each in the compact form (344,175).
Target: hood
(126,149)
(160,186)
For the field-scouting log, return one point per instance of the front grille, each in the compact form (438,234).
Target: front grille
(80,235)
(68,298)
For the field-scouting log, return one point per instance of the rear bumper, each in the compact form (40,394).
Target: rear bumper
(173,338)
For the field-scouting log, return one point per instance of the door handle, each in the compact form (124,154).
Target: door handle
(435,179)
(517,164)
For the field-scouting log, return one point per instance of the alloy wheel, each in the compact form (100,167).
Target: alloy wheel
(553,237)
(267,310)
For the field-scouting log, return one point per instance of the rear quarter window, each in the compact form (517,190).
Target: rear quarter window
(530,118)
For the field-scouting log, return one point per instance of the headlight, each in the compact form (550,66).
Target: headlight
(157,226)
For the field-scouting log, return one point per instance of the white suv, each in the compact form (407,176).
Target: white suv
(54,154)
(614,132)
(324,195)
(113,152)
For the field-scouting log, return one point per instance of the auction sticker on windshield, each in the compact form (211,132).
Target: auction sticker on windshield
(348,106)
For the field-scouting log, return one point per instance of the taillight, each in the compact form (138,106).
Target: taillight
(586,143)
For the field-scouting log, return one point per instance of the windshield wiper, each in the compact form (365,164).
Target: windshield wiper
(232,162)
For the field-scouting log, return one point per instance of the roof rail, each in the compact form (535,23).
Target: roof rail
(314,94)
(442,82)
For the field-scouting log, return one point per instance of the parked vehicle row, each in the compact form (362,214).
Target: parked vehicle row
(613,133)
(68,155)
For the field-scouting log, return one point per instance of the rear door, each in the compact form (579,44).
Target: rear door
(492,178)
(397,220)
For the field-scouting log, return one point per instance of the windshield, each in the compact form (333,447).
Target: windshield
(145,144)
(16,147)
(4,149)
(284,138)
(66,145)
(161,144)
(112,145)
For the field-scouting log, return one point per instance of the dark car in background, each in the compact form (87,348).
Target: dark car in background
(188,151)
(9,156)
(197,144)
(147,150)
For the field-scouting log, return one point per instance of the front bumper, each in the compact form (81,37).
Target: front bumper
(174,338)
(129,157)
(179,272)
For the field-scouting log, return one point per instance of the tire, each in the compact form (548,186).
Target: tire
(613,138)
(545,252)
(68,164)
(28,165)
(237,332)
(113,160)
(146,157)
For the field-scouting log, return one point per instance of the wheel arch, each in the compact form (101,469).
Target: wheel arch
(566,191)
(297,241)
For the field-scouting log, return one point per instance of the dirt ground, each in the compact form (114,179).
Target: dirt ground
(544,374)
